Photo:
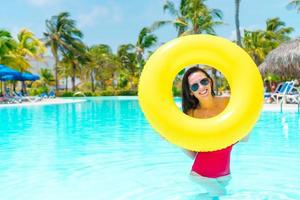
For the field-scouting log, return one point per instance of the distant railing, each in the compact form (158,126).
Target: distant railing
(284,100)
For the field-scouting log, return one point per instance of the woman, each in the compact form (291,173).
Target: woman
(210,169)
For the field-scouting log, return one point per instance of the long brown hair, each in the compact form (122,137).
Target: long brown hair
(190,101)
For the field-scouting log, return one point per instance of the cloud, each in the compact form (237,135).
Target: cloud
(42,2)
(109,12)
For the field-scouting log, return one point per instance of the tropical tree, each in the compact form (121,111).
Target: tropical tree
(201,18)
(27,47)
(145,40)
(237,22)
(294,4)
(61,33)
(192,17)
(128,61)
(64,69)
(77,57)
(7,44)
(260,42)
(277,32)
(255,43)
(47,78)
(179,21)
(100,55)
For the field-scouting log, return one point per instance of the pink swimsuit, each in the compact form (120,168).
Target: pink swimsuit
(213,164)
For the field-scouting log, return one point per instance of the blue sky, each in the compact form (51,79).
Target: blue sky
(116,22)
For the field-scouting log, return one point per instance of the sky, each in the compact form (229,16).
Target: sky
(116,22)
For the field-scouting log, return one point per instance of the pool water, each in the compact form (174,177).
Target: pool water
(105,149)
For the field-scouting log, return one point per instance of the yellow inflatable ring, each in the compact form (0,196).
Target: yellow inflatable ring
(228,127)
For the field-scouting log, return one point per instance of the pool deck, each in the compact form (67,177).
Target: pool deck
(44,102)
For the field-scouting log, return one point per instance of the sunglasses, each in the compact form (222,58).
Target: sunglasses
(203,82)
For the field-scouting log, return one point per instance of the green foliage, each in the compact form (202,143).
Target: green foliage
(272,77)
(63,37)
(66,94)
(117,93)
(47,77)
(259,43)
(123,82)
(89,94)
(176,91)
(7,44)
(38,90)
(192,17)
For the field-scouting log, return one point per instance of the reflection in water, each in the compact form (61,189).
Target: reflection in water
(105,149)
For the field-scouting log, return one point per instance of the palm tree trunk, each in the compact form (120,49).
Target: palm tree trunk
(66,83)
(54,53)
(73,76)
(23,88)
(14,86)
(237,22)
(1,88)
(92,81)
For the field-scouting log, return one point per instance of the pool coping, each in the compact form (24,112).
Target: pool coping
(51,101)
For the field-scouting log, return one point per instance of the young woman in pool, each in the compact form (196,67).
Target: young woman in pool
(210,169)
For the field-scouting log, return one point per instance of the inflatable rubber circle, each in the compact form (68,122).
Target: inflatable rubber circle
(228,127)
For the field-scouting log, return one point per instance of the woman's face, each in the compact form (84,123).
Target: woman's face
(200,85)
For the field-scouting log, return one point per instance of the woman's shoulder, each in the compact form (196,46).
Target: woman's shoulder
(222,100)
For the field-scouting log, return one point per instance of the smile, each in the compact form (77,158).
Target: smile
(204,92)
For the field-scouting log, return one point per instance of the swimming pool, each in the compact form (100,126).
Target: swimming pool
(104,149)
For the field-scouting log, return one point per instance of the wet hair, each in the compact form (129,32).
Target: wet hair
(190,101)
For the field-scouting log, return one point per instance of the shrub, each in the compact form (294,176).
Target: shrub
(66,94)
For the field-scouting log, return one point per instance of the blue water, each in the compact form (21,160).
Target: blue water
(105,149)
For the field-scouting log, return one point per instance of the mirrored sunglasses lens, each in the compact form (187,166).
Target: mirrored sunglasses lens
(204,81)
(194,87)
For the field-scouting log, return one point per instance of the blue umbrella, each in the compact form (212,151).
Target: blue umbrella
(20,77)
(7,78)
(4,70)
(28,77)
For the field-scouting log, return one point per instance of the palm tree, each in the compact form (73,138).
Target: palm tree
(145,40)
(99,55)
(77,56)
(201,18)
(237,22)
(192,17)
(61,33)
(180,21)
(7,44)
(27,47)
(64,70)
(276,32)
(47,77)
(255,44)
(128,61)
(294,4)
(260,42)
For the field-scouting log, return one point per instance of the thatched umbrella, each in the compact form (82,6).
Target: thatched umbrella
(284,60)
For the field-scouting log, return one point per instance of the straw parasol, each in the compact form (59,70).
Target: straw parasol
(284,60)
